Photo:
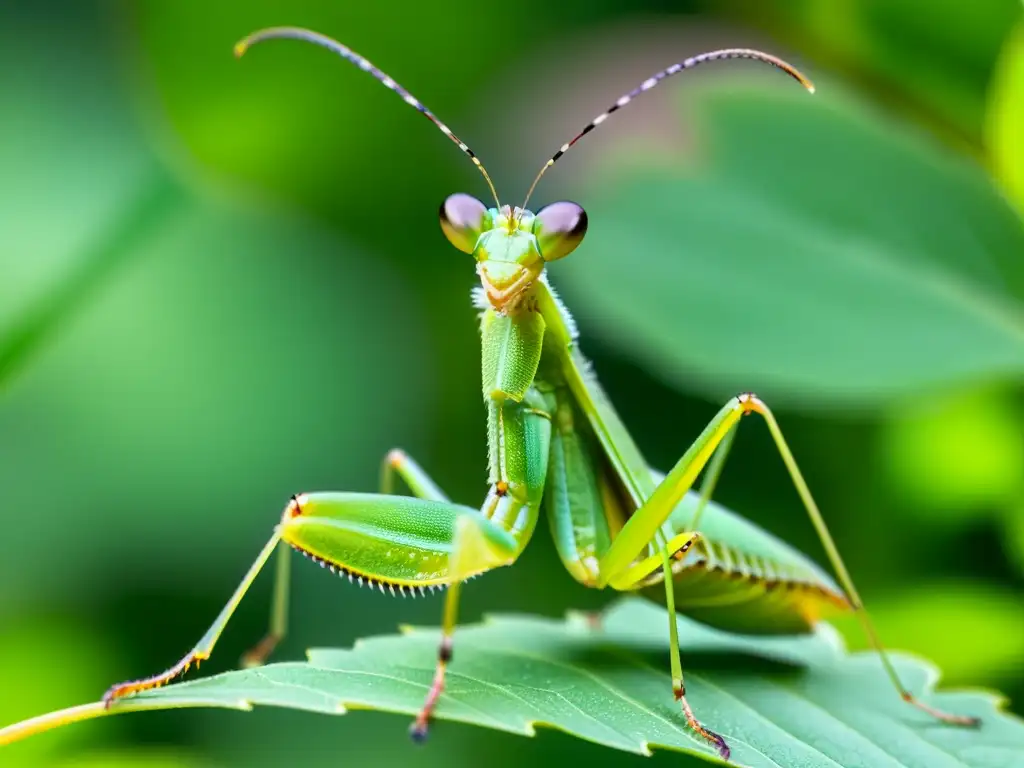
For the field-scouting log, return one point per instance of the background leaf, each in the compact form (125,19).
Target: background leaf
(955,457)
(987,650)
(934,65)
(244,318)
(913,258)
(1005,117)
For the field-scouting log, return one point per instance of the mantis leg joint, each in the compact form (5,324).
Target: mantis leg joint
(295,504)
(258,655)
(418,733)
(444,651)
(750,403)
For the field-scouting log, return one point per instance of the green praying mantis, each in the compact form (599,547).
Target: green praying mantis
(556,443)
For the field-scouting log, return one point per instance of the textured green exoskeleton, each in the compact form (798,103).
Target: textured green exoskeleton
(555,443)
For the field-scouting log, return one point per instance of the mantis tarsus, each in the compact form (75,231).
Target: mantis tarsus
(555,441)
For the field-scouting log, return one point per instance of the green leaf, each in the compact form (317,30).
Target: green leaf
(810,251)
(780,701)
(936,63)
(87,166)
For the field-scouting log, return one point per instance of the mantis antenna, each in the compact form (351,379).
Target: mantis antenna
(297,33)
(649,83)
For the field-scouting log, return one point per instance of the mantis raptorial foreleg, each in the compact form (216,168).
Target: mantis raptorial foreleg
(353,533)
(396,462)
(639,531)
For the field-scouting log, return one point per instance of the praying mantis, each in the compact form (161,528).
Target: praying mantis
(555,443)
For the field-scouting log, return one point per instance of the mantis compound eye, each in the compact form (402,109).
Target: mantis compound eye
(559,228)
(463,218)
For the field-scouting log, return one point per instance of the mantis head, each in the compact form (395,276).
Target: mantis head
(511,246)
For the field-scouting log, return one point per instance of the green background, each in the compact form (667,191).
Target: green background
(223,282)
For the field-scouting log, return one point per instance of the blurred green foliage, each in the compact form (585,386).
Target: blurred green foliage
(898,268)
(1005,122)
(223,282)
